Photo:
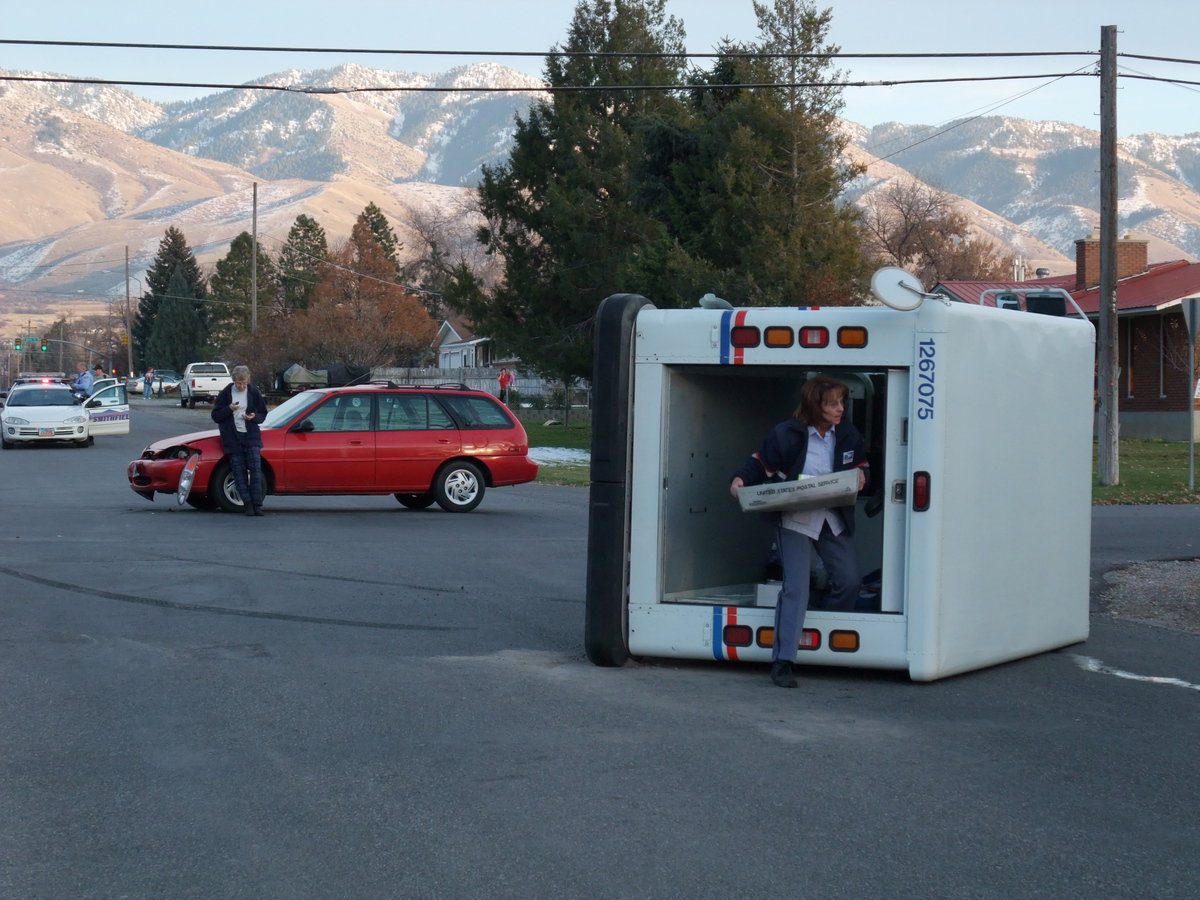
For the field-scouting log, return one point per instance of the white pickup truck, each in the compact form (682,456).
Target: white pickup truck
(202,381)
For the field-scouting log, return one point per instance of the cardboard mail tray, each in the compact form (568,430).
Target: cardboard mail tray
(810,492)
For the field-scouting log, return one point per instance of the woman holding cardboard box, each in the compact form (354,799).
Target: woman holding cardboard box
(815,441)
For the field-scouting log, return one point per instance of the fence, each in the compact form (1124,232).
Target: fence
(527,389)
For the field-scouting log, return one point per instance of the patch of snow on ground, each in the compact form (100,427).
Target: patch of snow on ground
(559,456)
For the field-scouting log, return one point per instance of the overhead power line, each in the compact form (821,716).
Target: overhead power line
(1166,59)
(491,89)
(570,54)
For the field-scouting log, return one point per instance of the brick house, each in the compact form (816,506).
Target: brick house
(1155,390)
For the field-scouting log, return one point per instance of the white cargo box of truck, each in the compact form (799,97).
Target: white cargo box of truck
(975,524)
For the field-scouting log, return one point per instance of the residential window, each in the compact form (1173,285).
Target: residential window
(1128,357)
(1162,356)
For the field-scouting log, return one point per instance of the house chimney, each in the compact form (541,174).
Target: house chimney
(1087,262)
(1133,256)
(1132,259)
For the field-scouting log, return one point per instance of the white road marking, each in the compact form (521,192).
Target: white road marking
(1091,664)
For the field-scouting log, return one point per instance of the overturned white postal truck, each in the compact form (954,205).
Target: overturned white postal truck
(974,529)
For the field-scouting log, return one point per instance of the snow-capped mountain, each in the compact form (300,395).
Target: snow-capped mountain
(88,170)
(1043,177)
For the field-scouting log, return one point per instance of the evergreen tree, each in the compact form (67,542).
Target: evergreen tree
(178,335)
(299,262)
(230,294)
(173,253)
(562,212)
(377,222)
(751,186)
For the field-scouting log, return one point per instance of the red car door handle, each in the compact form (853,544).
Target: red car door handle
(356,443)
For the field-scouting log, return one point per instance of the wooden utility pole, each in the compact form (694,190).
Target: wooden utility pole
(254,263)
(1109,371)
(128,321)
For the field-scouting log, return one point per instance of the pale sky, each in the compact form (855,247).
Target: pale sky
(1164,28)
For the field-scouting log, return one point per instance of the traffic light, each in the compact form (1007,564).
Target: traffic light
(45,345)
(16,343)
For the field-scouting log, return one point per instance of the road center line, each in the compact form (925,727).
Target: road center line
(1091,664)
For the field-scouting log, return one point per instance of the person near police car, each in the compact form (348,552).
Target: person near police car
(238,411)
(816,440)
(83,381)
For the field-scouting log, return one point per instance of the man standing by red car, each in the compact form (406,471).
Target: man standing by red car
(238,411)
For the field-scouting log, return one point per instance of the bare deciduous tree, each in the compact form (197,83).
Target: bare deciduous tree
(919,228)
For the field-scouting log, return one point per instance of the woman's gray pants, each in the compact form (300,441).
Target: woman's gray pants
(795,552)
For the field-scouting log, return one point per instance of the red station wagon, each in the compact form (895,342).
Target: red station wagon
(421,443)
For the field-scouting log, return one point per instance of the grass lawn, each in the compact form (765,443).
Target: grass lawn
(573,437)
(1151,471)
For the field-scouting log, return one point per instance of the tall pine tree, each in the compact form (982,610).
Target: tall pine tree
(173,253)
(751,187)
(230,295)
(562,212)
(299,262)
(178,335)
(377,222)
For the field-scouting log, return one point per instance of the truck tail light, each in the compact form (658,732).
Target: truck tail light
(843,641)
(810,638)
(814,336)
(852,336)
(778,336)
(738,635)
(744,336)
(921,490)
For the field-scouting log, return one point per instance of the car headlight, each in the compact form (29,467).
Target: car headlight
(15,420)
(75,420)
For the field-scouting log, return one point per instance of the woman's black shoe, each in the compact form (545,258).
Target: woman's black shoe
(247,510)
(781,674)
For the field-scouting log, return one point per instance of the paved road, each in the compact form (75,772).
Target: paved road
(346,698)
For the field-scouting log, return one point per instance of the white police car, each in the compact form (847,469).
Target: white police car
(44,411)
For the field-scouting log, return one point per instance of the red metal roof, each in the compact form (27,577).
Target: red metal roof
(1160,285)
(972,291)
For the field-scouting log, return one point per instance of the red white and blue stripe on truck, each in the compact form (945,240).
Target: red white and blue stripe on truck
(736,318)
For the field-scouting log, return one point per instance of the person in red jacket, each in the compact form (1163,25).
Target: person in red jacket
(815,441)
(505,380)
